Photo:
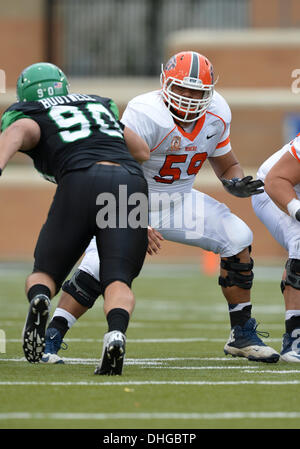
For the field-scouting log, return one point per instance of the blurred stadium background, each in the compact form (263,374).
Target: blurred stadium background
(115,48)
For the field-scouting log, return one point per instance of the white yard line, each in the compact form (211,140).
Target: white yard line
(156,270)
(210,368)
(162,364)
(143,363)
(140,361)
(158,382)
(146,340)
(151,416)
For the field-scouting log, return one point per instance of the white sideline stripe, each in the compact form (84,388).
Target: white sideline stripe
(272,372)
(225,359)
(75,361)
(154,270)
(250,368)
(151,382)
(135,325)
(147,363)
(109,416)
(138,361)
(156,362)
(148,340)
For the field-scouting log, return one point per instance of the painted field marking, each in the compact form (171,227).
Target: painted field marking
(243,368)
(161,364)
(146,340)
(132,361)
(151,382)
(151,416)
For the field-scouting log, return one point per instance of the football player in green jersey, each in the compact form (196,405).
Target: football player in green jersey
(77,141)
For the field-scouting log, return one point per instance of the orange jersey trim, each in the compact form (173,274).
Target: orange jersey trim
(192,136)
(163,139)
(224,143)
(295,153)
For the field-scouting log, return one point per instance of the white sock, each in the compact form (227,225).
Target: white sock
(240,306)
(290,313)
(65,314)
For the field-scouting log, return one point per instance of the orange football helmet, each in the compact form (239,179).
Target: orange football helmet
(191,70)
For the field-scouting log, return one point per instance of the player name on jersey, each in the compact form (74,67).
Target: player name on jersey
(64,99)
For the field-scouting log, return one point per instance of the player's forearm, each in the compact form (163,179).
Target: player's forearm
(234,171)
(138,148)
(10,142)
(281,191)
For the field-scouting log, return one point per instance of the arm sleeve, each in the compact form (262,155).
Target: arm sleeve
(10,117)
(114,109)
(224,146)
(295,148)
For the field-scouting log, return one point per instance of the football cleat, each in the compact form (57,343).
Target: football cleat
(245,342)
(54,343)
(113,354)
(34,328)
(290,351)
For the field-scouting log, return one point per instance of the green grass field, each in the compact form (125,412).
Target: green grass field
(175,376)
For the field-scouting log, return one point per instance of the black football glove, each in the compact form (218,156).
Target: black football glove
(244,187)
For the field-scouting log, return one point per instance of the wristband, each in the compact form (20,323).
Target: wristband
(292,207)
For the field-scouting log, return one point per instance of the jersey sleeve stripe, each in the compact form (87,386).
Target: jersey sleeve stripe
(163,139)
(9,117)
(295,153)
(224,143)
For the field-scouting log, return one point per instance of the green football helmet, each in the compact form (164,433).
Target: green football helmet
(41,80)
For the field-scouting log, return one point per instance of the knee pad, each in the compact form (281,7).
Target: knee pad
(235,276)
(83,287)
(292,267)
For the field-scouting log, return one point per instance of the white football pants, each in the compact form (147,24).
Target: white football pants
(284,229)
(193,219)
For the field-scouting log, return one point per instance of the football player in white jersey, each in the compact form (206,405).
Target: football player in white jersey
(279,209)
(184,123)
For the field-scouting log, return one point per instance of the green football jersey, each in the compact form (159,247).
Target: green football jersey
(76,131)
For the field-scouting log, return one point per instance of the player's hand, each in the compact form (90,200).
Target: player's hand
(154,238)
(244,187)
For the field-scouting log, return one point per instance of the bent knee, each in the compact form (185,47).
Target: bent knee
(239,238)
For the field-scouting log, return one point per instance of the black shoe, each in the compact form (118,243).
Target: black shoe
(113,354)
(35,328)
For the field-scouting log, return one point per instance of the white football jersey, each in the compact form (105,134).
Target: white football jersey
(176,157)
(176,154)
(293,147)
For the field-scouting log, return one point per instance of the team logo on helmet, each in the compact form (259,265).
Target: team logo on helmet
(171,64)
(212,74)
